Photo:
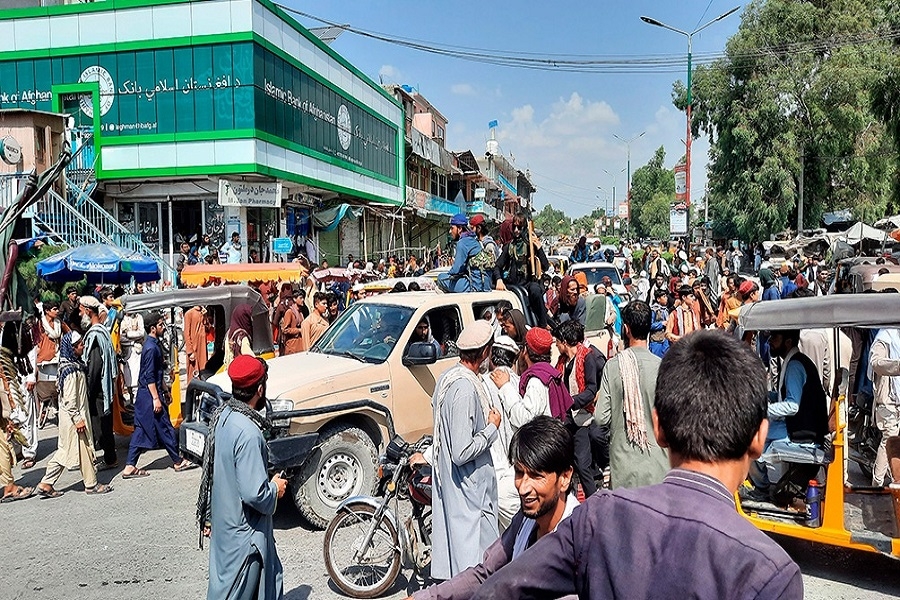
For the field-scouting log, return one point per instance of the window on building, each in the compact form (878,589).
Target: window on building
(438,184)
(39,149)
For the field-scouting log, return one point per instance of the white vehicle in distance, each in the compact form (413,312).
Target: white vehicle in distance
(596,271)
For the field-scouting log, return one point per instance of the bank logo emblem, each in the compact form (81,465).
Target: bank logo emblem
(345,127)
(107,90)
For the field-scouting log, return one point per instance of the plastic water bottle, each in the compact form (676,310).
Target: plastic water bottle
(813,504)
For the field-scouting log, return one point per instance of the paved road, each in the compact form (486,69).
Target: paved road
(140,542)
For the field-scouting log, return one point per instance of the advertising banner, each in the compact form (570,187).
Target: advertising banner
(680,183)
(678,219)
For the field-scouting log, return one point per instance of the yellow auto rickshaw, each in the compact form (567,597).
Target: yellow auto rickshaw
(854,514)
(220,302)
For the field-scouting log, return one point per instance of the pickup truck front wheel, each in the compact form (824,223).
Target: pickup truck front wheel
(342,466)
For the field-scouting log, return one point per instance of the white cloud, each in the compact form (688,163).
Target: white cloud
(568,145)
(390,74)
(463,89)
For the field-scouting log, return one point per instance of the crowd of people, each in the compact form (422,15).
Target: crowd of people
(77,349)
(531,423)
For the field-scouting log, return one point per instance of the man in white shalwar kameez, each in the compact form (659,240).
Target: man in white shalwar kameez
(464,492)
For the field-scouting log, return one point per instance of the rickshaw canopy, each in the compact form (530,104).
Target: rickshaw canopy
(243,273)
(870,311)
(227,296)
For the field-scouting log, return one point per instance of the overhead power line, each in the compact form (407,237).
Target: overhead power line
(588,63)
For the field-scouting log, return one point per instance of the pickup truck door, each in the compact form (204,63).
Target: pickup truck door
(413,386)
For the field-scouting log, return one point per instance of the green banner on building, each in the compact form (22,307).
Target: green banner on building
(212,88)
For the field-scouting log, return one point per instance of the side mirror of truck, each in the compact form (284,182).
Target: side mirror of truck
(420,353)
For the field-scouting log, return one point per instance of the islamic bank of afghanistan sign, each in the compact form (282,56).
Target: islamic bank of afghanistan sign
(107,90)
(345,127)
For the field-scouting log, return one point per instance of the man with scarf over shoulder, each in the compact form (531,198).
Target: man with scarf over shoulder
(465,485)
(541,388)
(75,442)
(625,404)
(102,368)
(582,367)
(237,498)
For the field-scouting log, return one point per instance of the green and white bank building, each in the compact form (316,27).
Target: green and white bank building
(210,115)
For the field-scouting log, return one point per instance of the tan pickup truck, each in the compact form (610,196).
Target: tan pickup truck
(364,381)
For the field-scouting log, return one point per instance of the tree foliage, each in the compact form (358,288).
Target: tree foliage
(27,268)
(552,221)
(795,92)
(652,190)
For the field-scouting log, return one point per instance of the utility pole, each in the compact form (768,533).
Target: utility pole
(800,199)
(628,175)
(690,98)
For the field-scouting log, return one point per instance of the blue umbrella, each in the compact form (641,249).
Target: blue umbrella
(101,263)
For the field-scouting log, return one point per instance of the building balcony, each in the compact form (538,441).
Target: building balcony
(429,203)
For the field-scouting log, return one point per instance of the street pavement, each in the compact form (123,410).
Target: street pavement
(140,541)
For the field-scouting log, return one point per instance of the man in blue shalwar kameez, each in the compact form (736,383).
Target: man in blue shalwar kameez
(238,509)
(152,426)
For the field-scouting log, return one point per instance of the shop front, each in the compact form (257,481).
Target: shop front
(221,90)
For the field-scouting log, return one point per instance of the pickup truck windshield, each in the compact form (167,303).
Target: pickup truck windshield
(595,275)
(366,332)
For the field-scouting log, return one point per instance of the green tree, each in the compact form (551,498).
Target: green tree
(649,184)
(886,97)
(654,216)
(552,222)
(794,92)
(584,223)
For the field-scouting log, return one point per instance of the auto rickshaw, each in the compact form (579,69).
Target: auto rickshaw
(854,514)
(864,276)
(220,302)
(205,275)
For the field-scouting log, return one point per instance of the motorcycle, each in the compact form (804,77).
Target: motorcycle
(366,544)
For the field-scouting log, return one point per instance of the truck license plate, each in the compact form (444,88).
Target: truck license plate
(195,442)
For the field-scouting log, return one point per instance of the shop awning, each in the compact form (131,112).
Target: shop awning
(328,220)
(201,275)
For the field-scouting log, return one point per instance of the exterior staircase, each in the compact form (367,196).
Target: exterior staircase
(77,219)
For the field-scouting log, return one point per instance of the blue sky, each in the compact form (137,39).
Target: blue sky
(559,125)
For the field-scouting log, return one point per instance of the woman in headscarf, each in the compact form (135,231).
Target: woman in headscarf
(572,306)
(239,339)
(75,442)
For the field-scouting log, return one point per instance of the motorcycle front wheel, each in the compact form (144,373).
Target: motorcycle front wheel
(361,572)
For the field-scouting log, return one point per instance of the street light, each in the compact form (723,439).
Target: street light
(612,177)
(628,181)
(690,36)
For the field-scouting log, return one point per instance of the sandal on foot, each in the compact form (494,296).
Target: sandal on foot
(185,465)
(20,494)
(28,464)
(135,474)
(51,493)
(107,466)
(100,488)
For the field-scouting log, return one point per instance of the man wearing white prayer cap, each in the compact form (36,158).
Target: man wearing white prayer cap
(464,487)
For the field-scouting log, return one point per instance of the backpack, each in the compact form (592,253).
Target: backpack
(484,260)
